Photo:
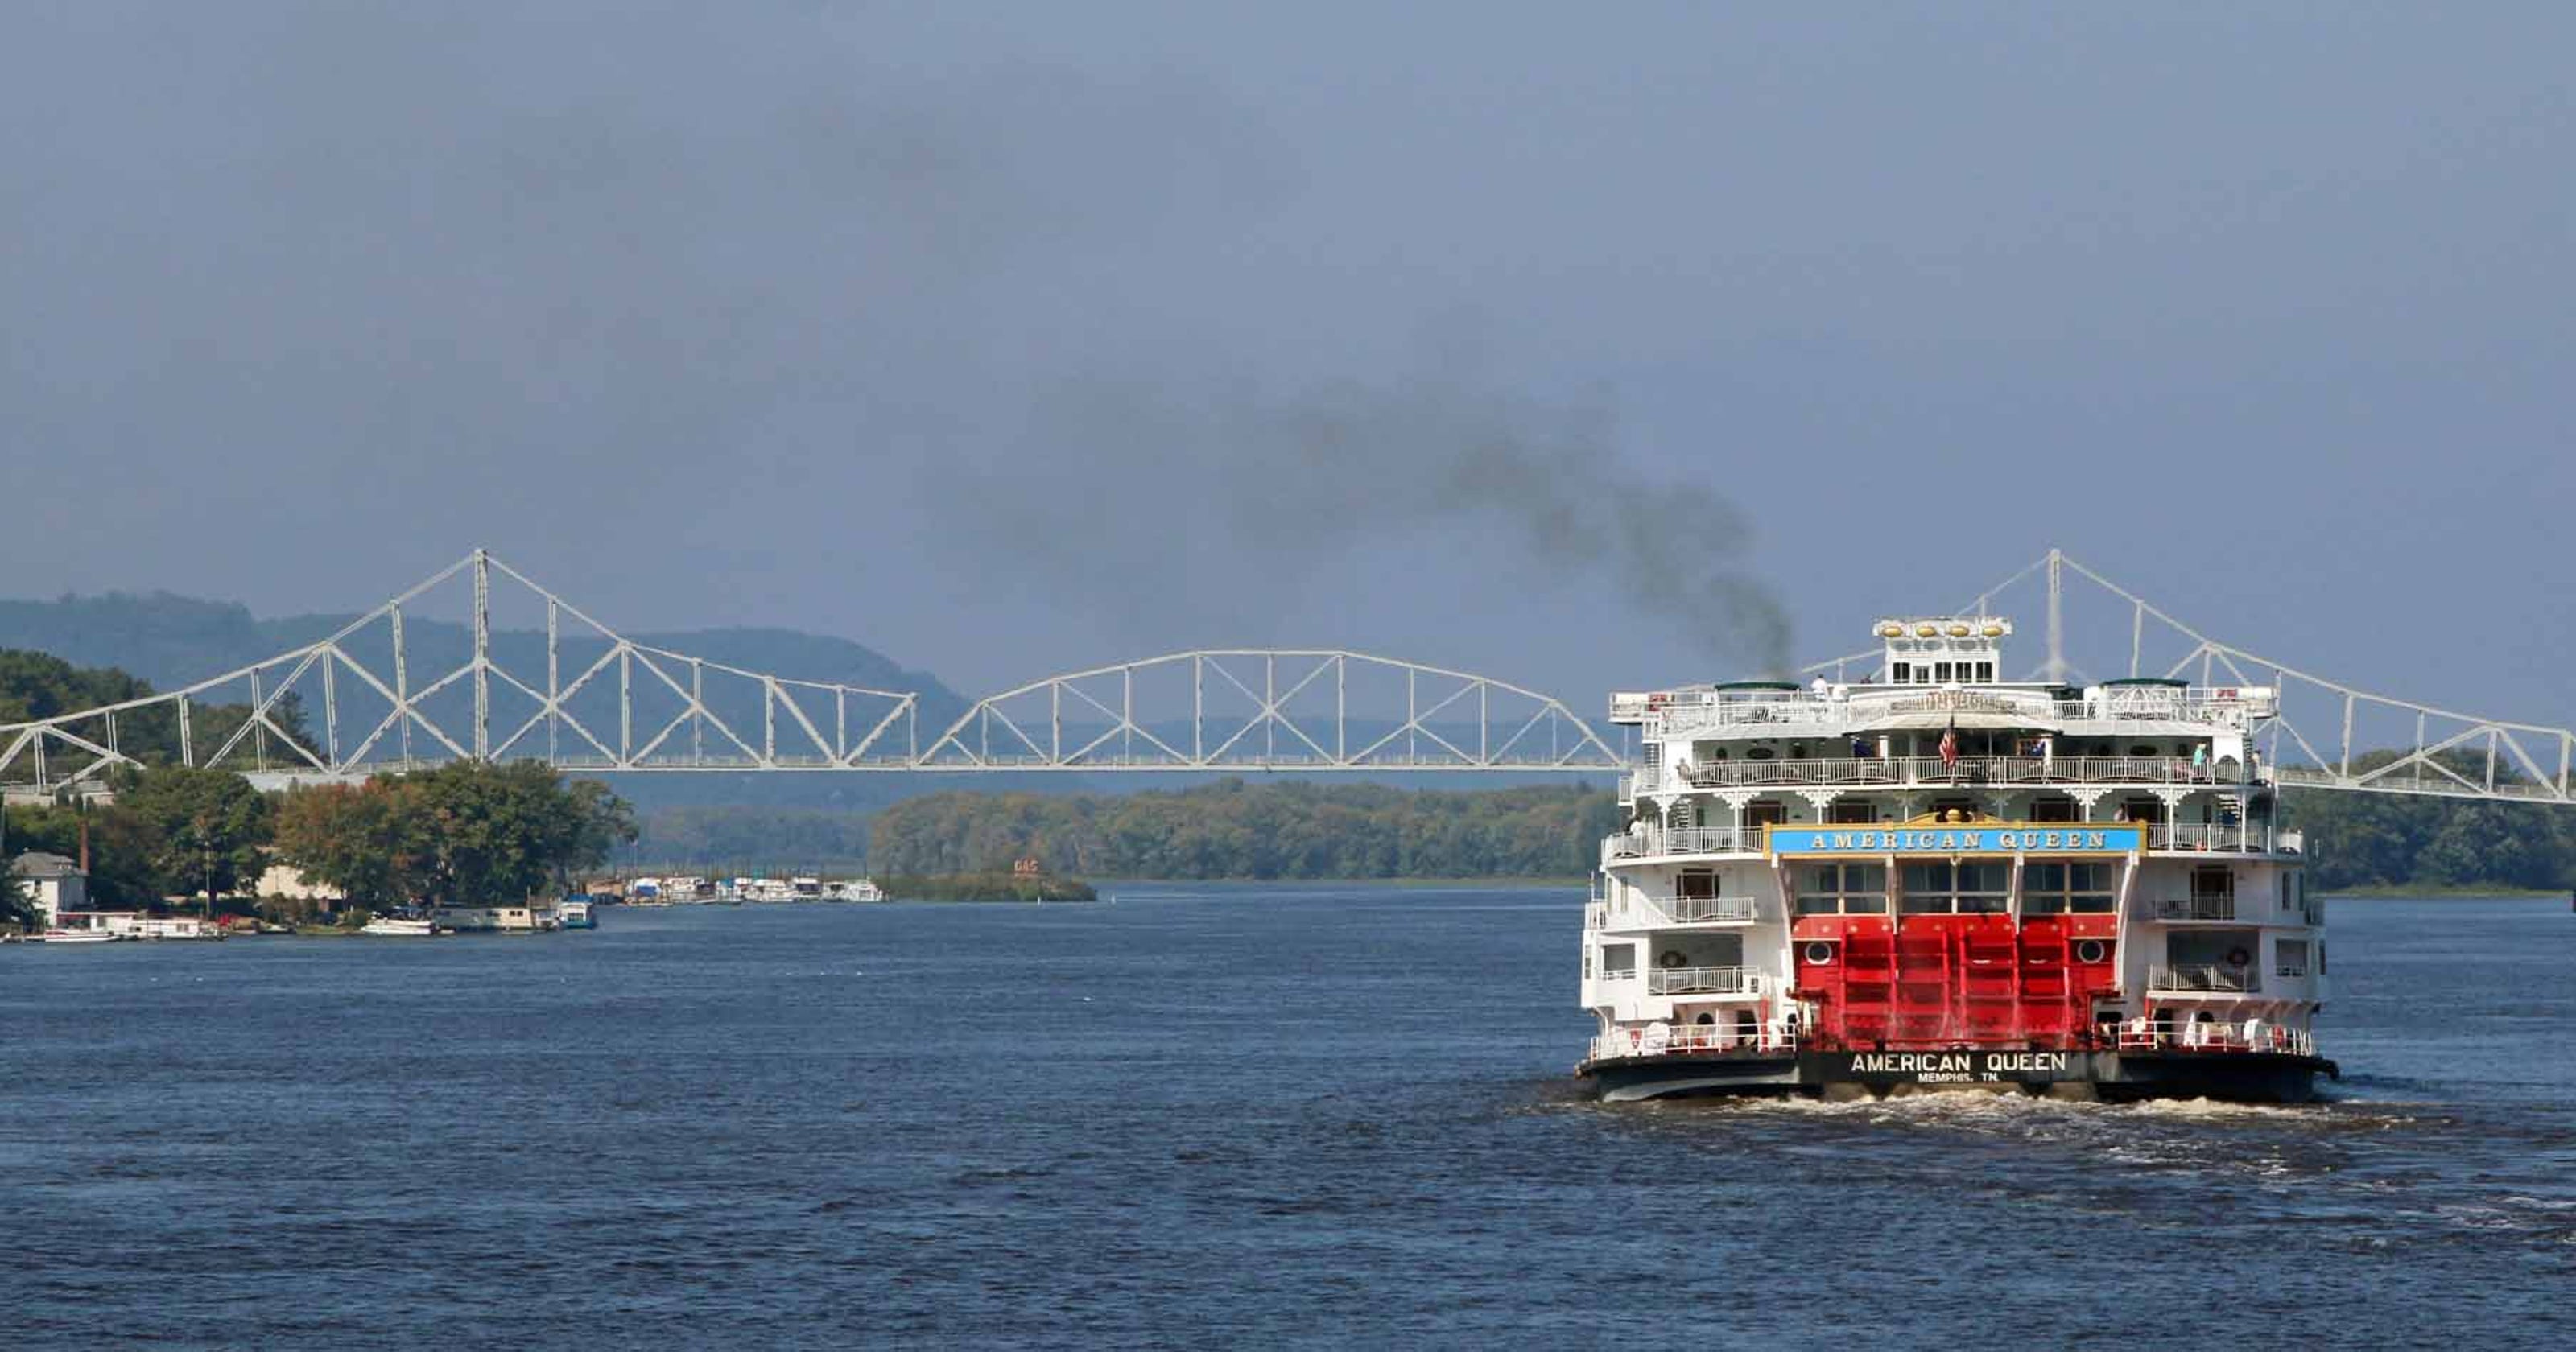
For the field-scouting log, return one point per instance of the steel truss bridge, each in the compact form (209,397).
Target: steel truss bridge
(397,689)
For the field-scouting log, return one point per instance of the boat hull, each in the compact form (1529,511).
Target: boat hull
(2249,1077)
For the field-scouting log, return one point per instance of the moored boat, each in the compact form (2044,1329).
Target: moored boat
(1938,879)
(397,927)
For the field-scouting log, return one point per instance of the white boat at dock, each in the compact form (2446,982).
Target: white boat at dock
(395,927)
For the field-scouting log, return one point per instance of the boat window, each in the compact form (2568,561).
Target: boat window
(1968,887)
(2290,957)
(1923,673)
(2213,884)
(2052,808)
(2055,887)
(1765,812)
(1618,959)
(1844,889)
(1986,672)
(1698,882)
(1941,672)
(1851,812)
(1903,672)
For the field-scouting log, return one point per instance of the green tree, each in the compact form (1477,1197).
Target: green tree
(365,840)
(206,829)
(17,908)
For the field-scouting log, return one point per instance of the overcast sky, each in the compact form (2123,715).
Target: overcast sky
(1577,345)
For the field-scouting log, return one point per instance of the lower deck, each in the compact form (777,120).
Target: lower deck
(2123,1075)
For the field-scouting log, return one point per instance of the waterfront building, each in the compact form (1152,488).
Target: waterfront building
(55,883)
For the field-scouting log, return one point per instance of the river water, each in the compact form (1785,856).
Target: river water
(1251,1114)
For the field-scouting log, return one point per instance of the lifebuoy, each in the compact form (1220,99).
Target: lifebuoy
(2237,957)
(1671,958)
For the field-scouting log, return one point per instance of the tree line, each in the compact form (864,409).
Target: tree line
(462,833)
(1232,829)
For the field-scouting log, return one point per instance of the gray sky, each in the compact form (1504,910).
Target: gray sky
(1015,338)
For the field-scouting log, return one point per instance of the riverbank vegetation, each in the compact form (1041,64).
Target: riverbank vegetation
(1000,885)
(463,833)
(460,834)
(1233,829)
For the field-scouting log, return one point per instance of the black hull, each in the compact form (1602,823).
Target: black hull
(2241,1077)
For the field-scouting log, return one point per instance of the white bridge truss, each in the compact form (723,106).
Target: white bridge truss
(389,692)
(1269,710)
(378,696)
(2327,734)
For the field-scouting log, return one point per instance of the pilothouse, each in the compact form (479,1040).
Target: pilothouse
(1937,878)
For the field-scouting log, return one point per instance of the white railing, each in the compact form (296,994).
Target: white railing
(1674,713)
(1651,841)
(2297,970)
(1706,981)
(1595,914)
(2209,977)
(2188,908)
(1707,910)
(1900,770)
(1663,1039)
(2252,1035)
(2242,838)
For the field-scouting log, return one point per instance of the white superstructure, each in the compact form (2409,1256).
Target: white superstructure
(1943,861)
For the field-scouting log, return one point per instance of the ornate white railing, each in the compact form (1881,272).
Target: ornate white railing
(1652,841)
(1706,981)
(2252,1035)
(2240,838)
(2188,908)
(1902,770)
(1676,713)
(1662,1039)
(2209,978)
(1707,910)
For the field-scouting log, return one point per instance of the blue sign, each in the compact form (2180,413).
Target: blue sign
(2016,839)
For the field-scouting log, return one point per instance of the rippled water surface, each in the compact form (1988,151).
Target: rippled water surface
(1251,1114)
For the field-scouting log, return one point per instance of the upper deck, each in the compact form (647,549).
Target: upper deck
(1941,673)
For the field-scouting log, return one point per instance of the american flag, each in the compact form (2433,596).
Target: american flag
(1950,743)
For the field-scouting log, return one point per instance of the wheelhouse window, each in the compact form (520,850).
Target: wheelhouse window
(2290,957)
(2213,884)
(1850,813)
(2055,887)
(1964,887)
(1842,889)
(1696,882)
(1903,672)
(2053,808)
(1618,959)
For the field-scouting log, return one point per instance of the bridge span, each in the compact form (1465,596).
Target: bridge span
(387,692)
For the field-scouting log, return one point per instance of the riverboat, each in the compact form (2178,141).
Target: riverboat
(1941,879)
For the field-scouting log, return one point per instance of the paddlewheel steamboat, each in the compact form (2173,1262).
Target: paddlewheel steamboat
(1937,880)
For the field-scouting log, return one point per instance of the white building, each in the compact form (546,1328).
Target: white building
(57,884)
